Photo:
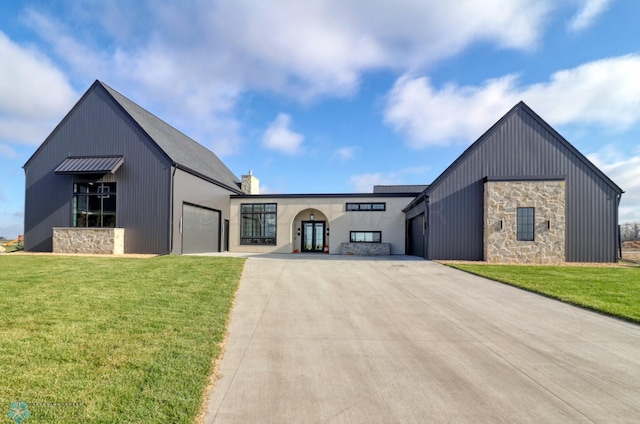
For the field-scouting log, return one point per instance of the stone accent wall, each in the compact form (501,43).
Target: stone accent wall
(366,249)
(88,240)
(501,200)
(250,184)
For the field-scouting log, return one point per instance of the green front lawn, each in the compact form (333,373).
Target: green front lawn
(86,339)
(614,291)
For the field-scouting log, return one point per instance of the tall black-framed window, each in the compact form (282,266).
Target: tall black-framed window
(368,206)
(365,236)
(526,224)
(258,223)
(94,204)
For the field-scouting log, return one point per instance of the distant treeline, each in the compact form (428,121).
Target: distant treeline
(630,231)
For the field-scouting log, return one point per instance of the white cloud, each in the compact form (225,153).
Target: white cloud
(75,51)
(624,169)
(302,49)
(345,153)
(35,93)
(208,54)
(363,183)
(278,136)
(8,152)
(152,72)
(604,92)
(265,189)
(588,14)
(431,117)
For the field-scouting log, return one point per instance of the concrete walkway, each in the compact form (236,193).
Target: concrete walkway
(317,339)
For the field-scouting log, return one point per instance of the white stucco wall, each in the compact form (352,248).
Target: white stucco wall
(293,210)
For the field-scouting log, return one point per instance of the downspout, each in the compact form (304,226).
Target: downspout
(618,224)
(426,226)
(171,209)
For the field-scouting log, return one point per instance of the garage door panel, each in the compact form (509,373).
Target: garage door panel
(200,229)
(416,236)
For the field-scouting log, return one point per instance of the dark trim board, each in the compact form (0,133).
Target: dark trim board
(525,178)
(321,195)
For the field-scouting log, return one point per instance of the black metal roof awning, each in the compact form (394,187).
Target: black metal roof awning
(90,165)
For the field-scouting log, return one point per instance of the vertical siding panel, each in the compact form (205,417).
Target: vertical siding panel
(98,126)
(521,147)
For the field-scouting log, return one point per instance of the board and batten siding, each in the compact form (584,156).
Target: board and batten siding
(98,126)
(521,145)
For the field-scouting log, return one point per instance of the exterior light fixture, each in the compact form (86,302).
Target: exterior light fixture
(312,217)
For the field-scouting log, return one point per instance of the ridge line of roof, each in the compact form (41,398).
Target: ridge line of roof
(521,105)
(212,169)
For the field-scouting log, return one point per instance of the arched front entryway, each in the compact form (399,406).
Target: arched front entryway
(311,231)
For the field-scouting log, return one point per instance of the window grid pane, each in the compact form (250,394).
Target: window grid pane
(366,207)
(525,224)
(365,236)
(94,204)
(258,223)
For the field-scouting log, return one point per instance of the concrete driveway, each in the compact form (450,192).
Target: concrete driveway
(317,339)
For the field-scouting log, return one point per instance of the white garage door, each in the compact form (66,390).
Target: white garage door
(200,229)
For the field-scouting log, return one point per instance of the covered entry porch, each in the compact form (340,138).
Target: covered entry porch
(317,223)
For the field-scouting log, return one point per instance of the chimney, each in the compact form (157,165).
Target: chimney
(250,184)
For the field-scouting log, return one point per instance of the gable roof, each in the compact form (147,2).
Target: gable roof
(181,149)
(522,106)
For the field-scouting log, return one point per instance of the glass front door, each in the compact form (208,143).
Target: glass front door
(313,236)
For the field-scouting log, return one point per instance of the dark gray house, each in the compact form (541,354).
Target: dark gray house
(520,193)
(115,178)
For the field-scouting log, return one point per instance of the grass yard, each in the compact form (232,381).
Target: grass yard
(612,290)
(100,339)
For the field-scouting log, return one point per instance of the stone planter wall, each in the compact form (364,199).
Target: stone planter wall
(366,249)
(88,240)
(501,200)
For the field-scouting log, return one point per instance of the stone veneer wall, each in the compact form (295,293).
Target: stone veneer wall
(501,200)
(88,240)
(366,249)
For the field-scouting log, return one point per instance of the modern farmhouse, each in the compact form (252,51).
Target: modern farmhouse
(113,178)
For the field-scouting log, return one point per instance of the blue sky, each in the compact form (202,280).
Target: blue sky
(328,95)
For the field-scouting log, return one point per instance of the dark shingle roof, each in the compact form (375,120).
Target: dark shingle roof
(181,149)
(404,188)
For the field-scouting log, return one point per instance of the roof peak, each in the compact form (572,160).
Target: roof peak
(184,151)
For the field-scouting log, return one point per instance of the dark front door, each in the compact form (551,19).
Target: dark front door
(415,233)
(313,236)
(226,235)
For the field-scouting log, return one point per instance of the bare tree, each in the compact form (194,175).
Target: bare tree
(630,231)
